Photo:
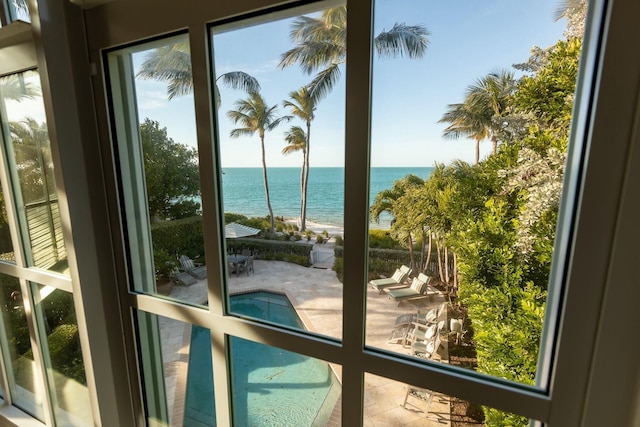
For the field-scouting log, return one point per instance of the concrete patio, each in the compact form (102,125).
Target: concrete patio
(316,295)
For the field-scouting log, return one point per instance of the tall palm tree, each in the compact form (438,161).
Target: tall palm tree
(296,140)
(478,117)
(321,45)
(254,115)
(303,106)
(467,122)
(490,94)
(172,63)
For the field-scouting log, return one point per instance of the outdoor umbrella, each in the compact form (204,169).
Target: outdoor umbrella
(234,230)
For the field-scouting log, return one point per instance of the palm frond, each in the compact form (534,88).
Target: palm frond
(240,80)
(323,82)
(296,139)
(401,40)
(238,132)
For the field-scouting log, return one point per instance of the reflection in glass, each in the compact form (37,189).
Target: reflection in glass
(6,245)
(18,10)
(63,355)
(478,151)
(281,145)
(29,157)
(391,403)
(24,382)
(159,162)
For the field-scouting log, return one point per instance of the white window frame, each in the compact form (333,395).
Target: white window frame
(598,266)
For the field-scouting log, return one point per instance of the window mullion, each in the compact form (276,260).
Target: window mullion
(211,217)
(356,196)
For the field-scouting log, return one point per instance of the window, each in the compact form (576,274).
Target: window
(588,240)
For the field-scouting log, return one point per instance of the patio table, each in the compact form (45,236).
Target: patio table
(236,260)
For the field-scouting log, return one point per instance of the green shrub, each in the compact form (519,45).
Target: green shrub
(65,353)
(298,259)
(381,239)
(163,262)
(234,217)
(338,267)
(182,236)
(339,241)
(319,238)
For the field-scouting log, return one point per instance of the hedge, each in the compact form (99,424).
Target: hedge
(272,249)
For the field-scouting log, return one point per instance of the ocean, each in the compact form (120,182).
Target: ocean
(243,191)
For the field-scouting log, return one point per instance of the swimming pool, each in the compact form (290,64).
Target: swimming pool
(271,386)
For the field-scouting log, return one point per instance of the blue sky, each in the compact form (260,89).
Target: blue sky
(468,40)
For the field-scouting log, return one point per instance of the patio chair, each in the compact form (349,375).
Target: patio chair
(429,317)
(183,278)
(397,279)
(422,394)
(419,289)
(428,348)
(198,271)
(247,266)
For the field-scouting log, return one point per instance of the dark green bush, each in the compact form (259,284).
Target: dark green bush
(179,237)
(65,353)
(381,239)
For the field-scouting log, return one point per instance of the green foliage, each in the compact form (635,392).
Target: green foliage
(339,240)
(178,237)
(163,262)
(338,267)
(319,239)
(171,172)
(381,239)
(230,217)
(65,352)
(298,253)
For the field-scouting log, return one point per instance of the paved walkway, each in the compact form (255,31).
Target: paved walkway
(317,296)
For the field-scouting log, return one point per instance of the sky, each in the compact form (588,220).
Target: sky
(468,40)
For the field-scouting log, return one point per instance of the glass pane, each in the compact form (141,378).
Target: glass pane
(468,151)
(24,381)
(281,146)
(391,403)
(167,358)
(277,387)
(63,356)
(30,162)
(18,10)
(154,111)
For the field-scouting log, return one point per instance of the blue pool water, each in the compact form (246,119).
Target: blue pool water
(271,387)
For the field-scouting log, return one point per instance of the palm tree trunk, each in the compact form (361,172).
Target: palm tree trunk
(446,264)
(429,249)
(439,260)
(411,255)
(266,185)
(494,144)
(477,151)
(305,183)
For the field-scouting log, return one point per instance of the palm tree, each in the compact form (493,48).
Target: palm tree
(254,115)
(467,122)
(490,94)
(15,87)
(172,63)
(478,117)
(303,106)
(321,45)
(296,139)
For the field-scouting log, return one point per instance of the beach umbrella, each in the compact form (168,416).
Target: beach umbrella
(234,230)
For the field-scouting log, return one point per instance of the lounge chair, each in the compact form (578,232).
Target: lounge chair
(198,271)
(397,279)
(183,278)
(419,289)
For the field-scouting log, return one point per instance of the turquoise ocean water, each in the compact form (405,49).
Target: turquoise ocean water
(243,191)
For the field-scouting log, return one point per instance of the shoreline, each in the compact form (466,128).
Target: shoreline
(317,227)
